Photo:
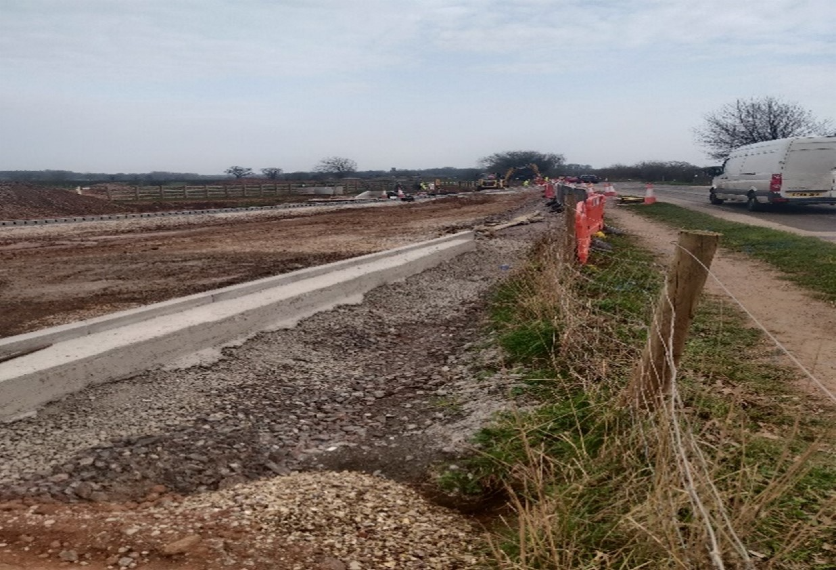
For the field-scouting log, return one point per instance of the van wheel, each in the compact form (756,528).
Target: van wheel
(712,197)
(752,204)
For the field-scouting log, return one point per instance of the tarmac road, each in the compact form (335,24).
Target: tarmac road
(817,221)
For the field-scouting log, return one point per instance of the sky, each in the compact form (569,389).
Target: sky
(201,85)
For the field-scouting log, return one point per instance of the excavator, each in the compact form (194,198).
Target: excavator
(487,181)
(531,167)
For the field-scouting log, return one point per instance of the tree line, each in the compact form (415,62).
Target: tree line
(71,178)
(744,121)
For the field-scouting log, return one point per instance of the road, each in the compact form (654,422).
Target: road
(816,221)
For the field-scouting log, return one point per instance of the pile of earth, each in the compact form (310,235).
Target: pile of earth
(19,201)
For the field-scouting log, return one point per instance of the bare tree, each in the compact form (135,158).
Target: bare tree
(238,171)
(748,121)
(272,172)
(336,166)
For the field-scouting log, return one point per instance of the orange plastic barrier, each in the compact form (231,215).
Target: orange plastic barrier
(548,191)
(589,220)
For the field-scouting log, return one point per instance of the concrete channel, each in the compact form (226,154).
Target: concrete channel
(39,367)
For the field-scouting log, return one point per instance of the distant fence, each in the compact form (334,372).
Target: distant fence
(248,189)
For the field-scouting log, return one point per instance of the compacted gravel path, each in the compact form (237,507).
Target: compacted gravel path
(388,387)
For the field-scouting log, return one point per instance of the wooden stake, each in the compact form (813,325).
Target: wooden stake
(651,381)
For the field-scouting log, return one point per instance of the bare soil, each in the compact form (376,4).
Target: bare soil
(302,448)
(20,201)
(804,325)
(52,275)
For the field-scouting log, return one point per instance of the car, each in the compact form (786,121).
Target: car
(590,178)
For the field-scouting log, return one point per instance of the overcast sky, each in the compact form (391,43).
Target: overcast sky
(200,85)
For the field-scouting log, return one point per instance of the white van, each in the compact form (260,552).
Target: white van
(799,170)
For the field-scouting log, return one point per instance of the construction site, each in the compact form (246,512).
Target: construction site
(436,383)
(143,469)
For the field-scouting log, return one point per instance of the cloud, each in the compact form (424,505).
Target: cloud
(531,30)
(181,38)
(329,71)
(187,38)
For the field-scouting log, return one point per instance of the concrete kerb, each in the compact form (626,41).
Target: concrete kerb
(73,360)
(21,344)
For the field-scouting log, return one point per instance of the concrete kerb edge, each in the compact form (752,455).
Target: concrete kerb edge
(26,342)
(37,381)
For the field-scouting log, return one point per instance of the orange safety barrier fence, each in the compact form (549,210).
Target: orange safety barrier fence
(589,220)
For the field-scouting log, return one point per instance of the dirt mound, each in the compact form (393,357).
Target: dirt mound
(29,201)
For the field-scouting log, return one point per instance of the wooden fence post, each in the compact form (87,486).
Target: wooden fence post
(651,380)
(162,196)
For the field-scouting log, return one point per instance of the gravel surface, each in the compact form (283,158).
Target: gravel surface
(376,375)
(388,387)
(305,521)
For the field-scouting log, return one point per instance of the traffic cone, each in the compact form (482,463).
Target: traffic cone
(609,189)
(649,196)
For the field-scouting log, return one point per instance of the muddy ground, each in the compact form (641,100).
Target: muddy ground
(52,275)
(21,201)
(25,201)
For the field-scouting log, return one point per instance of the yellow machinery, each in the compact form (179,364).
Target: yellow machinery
(532,167)
(489,181)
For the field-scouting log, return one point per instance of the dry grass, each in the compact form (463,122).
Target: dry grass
(732,472)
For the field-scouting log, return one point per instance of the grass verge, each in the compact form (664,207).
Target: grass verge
(736,470)
(806,261)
